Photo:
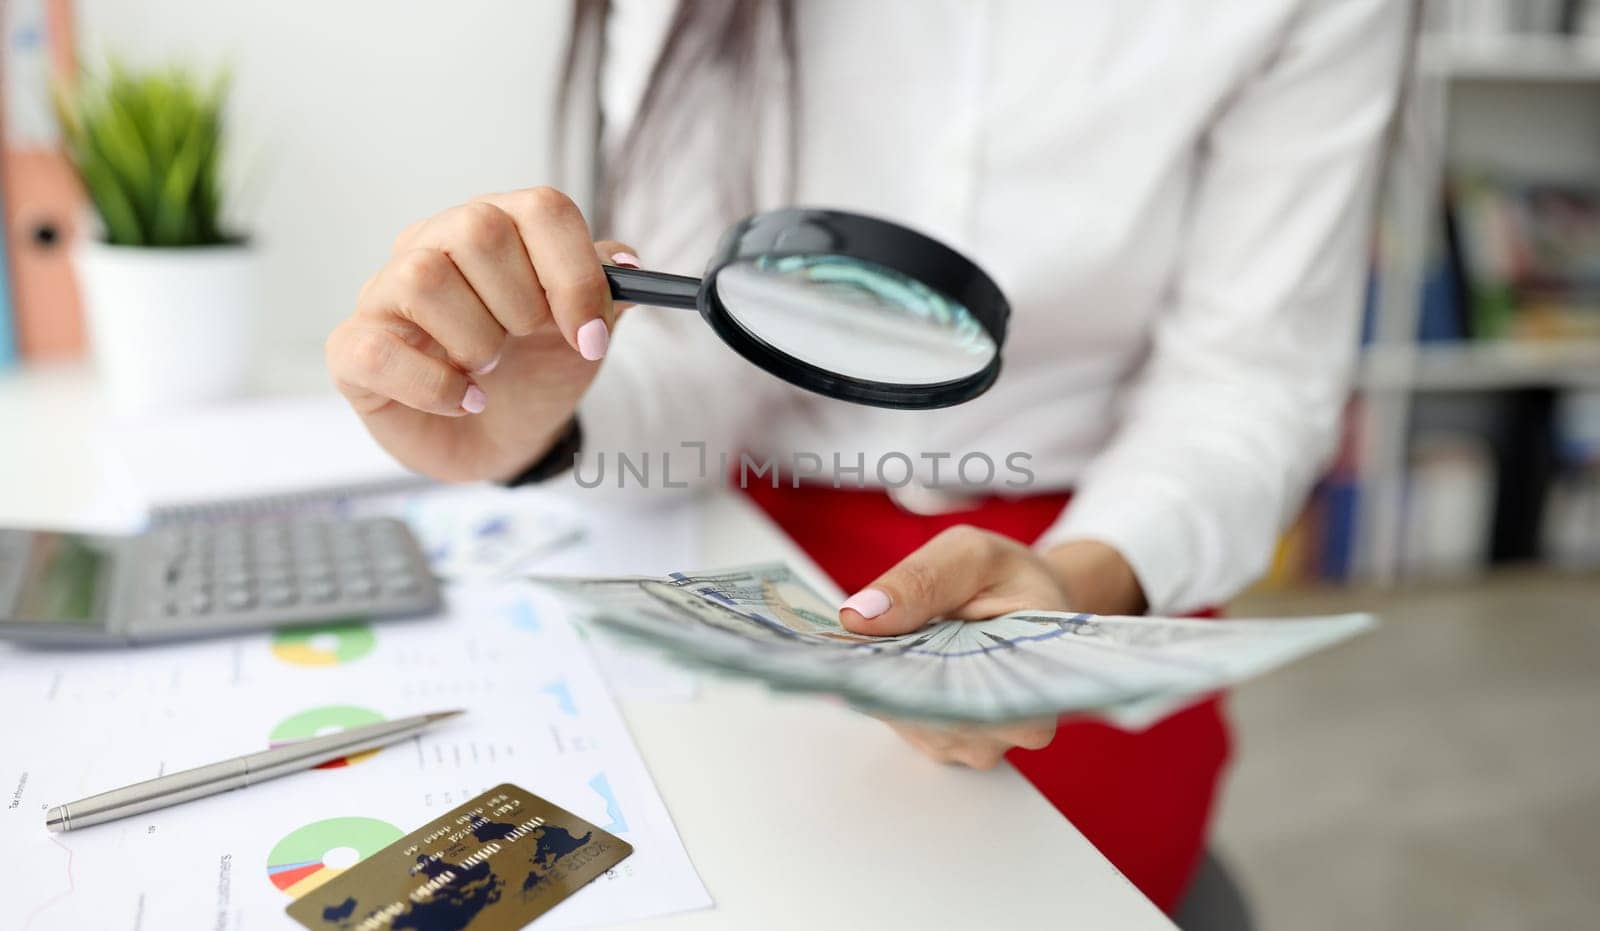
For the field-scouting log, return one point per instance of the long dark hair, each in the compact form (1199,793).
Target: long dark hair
(718,65)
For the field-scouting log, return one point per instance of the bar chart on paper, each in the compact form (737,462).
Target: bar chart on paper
(538,716)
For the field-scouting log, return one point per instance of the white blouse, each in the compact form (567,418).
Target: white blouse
(1174,195)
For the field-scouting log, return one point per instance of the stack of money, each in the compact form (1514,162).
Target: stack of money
(765,622)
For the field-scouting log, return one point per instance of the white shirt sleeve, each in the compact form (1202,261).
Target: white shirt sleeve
(672,399)
(1234,410)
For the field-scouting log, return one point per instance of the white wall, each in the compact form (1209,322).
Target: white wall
(353,118)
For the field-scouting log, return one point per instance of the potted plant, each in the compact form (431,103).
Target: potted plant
(168,290)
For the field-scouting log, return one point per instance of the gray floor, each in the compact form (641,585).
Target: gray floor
(1443,772)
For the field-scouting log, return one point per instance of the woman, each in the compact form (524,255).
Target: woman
(1174,196)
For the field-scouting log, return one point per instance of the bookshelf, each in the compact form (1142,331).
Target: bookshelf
(1485,366)
(1526,105)
(1511,58)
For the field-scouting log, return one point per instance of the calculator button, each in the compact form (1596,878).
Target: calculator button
(400,583)
(393,562)
(278,595)
(356,574)
(275,575)
(321,591)
(360,586)
(199,602)
(238,598)
(232,573)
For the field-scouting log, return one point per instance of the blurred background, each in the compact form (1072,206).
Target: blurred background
(347,121)
(1444,773)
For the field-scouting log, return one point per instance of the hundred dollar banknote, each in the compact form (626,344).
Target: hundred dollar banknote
(765,622)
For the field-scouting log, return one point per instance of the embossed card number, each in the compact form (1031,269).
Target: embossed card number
(493,864)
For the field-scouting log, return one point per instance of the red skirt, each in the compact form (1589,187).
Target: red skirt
(1144,799)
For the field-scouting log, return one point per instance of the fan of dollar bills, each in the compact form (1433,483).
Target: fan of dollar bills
(765,622)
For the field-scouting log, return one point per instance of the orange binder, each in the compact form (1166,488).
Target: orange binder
(44,204)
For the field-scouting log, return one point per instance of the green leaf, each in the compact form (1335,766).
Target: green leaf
(121,221)
(175,221)
(148,146)
(115,138)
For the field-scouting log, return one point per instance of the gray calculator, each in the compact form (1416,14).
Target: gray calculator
(206,579)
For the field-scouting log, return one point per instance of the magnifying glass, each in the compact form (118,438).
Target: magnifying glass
(844,305)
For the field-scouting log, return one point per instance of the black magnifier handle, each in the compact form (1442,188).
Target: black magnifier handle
(655,289)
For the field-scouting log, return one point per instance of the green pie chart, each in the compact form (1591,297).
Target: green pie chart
(312,855)
(324,646)
(320,722)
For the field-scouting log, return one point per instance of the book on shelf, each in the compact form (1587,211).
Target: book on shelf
(1321,544)
(8,332)
(8,324)
(1529,254)
(1571,525)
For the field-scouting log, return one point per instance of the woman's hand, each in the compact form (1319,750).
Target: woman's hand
(972,574)
(468,351)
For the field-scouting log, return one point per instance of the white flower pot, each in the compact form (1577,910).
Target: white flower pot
(169,327)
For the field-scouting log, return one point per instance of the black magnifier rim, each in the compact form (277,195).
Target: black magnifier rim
(810,231)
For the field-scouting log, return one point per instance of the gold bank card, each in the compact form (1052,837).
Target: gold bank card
(494,864)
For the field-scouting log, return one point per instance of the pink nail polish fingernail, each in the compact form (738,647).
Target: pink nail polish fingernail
(474,401)
(869,602)
(626,260)
(489,366)
(593,337)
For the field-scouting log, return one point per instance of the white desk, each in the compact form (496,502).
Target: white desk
(797,812)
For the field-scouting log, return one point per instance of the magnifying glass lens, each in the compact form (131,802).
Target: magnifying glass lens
(855,318)
(848,306)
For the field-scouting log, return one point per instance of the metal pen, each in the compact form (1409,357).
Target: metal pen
(213,778)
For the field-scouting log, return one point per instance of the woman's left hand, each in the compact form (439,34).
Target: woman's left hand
(972,574)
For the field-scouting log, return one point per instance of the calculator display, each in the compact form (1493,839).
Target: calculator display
(62,579)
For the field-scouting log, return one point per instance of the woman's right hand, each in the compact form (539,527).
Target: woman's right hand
(468,351)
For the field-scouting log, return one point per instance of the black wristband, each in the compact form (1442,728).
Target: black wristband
(558,459)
